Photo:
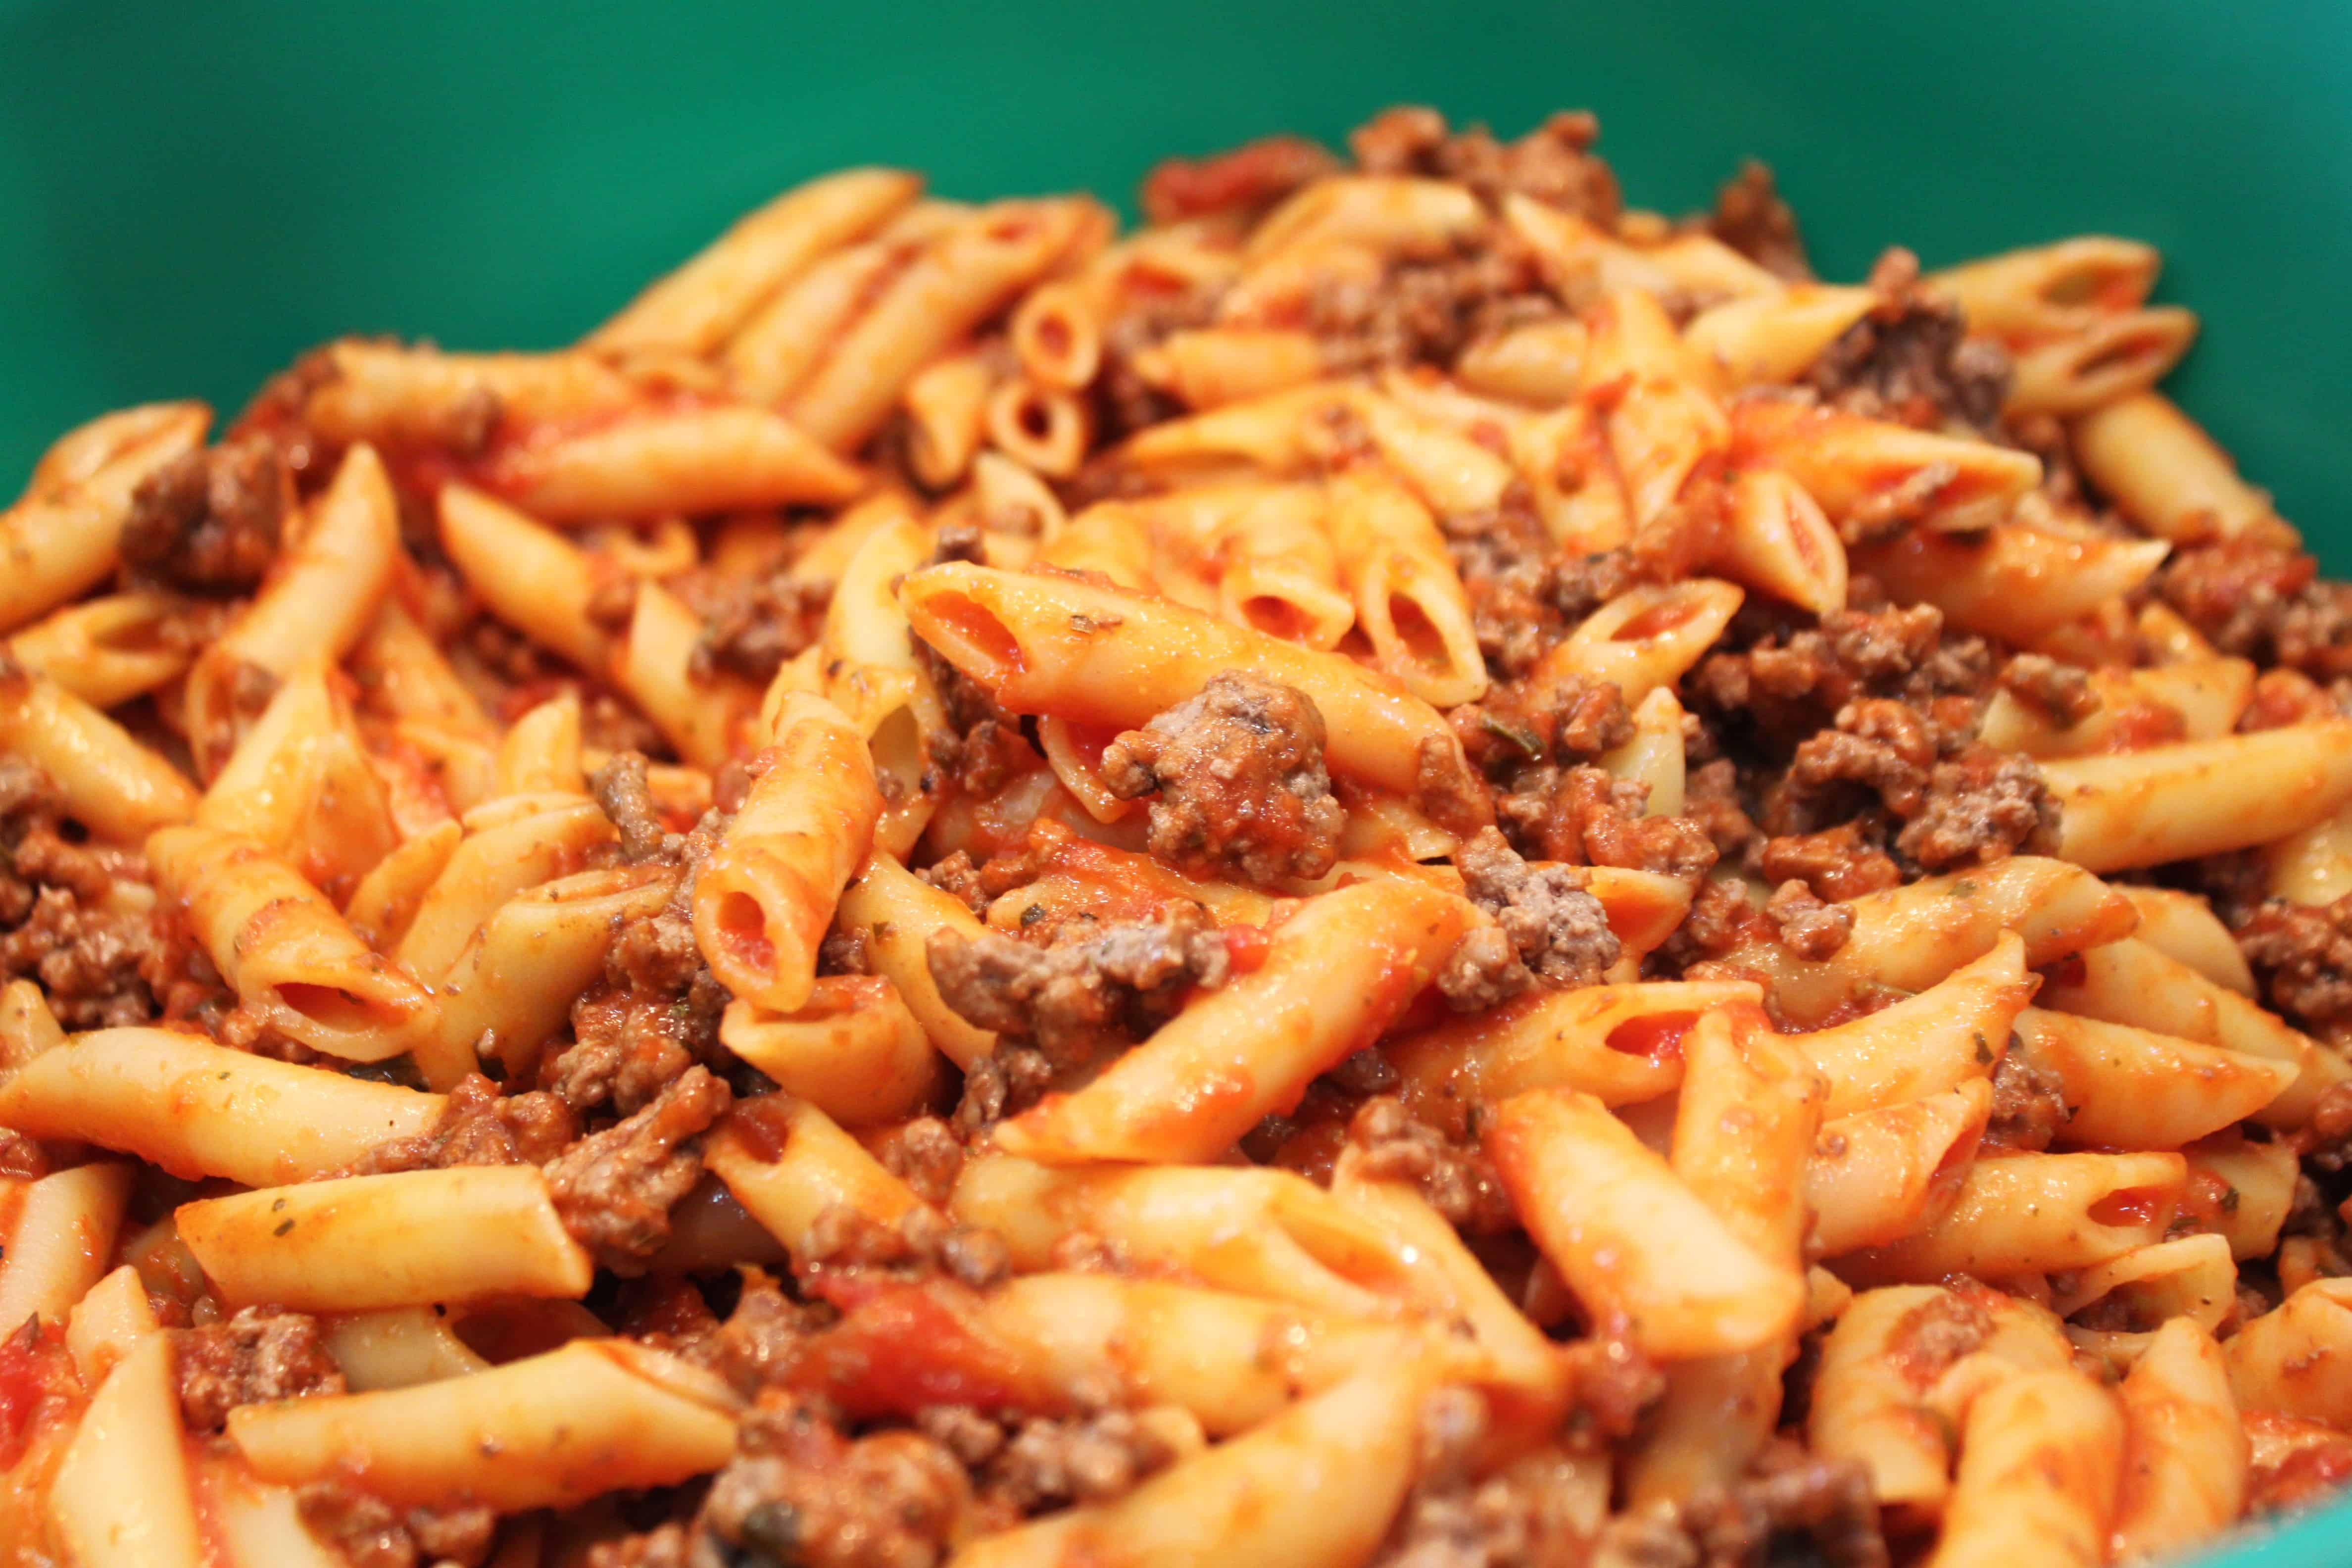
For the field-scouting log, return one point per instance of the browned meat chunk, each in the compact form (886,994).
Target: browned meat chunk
(479,1126)
(210,521)
(1809,928)
(1457,1179)
(2063,691)
(751,626)
(2304,954)
(2029,1104)
(1554,931)
(1834,863)
(1237,780)
(95,958)
(798,1492)
(1553,163)
(614,1189)
(373,1534)
(1981,805)
(1585,818)
(621,792)
(1122,981)
(1750,217)
(2263,603)
(254,1357)
(1247,179)
(1910,360)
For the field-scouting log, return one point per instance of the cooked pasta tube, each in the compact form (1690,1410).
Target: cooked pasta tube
(1877,1176)
(1621,1044)
(416,396)
(132,1429)
(765,898)
(787,1163)
(529,576)
(200,1110)
(1774,335)
(897,911)
(2023,1213)
(107,651)
(854,1049)
(1408,601)
(2168,476)
(300,784)
(1911,937)
(1645,638)
(111,1319)
(66,534)
(2108,358)
(2194,699)
(690,460)
(1780,543)
(1855,467)
(104,778)
(1954,1031)
(2012,582)
(510,846)
(1209,367)
(285,950)
(2293,1359)
(547,1431)
(1629,1236)
(1744,1130)
(957,281)
(696,308)
(946,403)
(1334,975)
(2200,797)
(350,1246)
(1057,645)
(322,594)
(1315,1487)
(2185,1450)
(1261,1232)
(2130,1088)
(2130,981)
(2040,1458)
(2032,291)
(64,1231)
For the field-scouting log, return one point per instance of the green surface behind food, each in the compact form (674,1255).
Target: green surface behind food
(190,194)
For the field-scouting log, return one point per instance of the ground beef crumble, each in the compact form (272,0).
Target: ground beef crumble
(1809,928)
(210,521)
(798,1492)
(2304,955)
(256,1357)
(1553,163)
(1750,217)
(1910,360)
(479,1126)
(1237,782)
(99,961)
(1585,818)
(2262,602)
(1457,1179)
(2061,692)
(2029,1104)
(1114,982)
(1552,930)
(614,1189)
(373,1534)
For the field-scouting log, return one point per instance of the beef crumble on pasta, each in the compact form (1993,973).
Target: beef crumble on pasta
(1411,870)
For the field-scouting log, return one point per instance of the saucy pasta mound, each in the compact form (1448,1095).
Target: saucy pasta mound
(1406,869)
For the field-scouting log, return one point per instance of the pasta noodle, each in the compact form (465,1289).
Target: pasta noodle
(1408,869)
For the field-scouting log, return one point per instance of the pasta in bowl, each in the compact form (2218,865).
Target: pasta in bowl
(1406,868)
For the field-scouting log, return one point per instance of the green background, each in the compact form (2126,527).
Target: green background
(191,193)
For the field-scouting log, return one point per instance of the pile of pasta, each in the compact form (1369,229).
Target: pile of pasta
(1406,868)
